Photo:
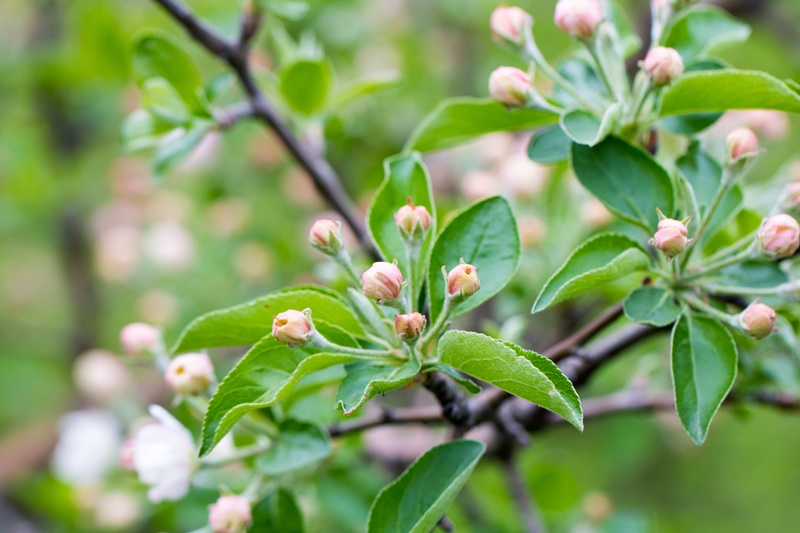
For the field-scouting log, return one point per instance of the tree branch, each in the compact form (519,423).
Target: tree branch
(421,415)
(325,179)
(522,496)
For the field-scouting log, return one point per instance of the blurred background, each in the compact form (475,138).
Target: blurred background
(90,240)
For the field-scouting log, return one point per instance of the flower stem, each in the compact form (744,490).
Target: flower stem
(700,305)
(441,323)
(719,265)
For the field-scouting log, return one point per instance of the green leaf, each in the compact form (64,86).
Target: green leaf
(360,88)
(178,145)
(653,306)
(626,179)
(585,128)
(601,259)
(278,513)
(142,130)
(365,380)
(704,360)
(702,30)
(406,178)
(520,372)
(248,323)
(722,90)
(460,120)
(162,100)
(485,236)
(266,374)
(155,55)
(549,146)
(305,85)
(630,41)
(414,502)
(697,122)
(469,385)
(284,9)
(299,444)
(753,275)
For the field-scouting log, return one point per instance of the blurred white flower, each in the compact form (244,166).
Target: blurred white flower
(170,246)
(87,448)
(116,510)
(117,253)
(158,307)
(478,184)
(164,456)
(100,375)
(522,177)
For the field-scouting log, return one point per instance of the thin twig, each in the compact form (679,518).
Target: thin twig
(416,415)
(522,496)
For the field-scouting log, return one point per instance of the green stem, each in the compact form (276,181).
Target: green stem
(723,189)
(719,265)
(440,324)
(600,70)
(240,455)
(343,259)
(747,240)
(710,310)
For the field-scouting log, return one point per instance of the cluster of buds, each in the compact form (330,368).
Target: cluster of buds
(326,236)
(409,326)
(413,221)
(579,18)
(511,25)
(779,236)
(462,282)
(230,514)
(383,282)
(292,328)
(662,65)
(190,374)
(510,86)
(758,320)
(671,237)
(742,143)
(139,339)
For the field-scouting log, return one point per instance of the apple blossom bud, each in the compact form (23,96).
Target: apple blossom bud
(510,24)
(230,514)
(579,18)
(190,374)
(790,198)
(382,282)
(510,86)
(663,65)
(413,221)
(758,320)
(409,326)
(139,338)
(326,236)
(462,282)
(742,142)
(292,328)
(779,236)
(670,237)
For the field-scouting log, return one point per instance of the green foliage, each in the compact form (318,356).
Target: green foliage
(702,30)
(704,361)
(460,120)
(483,235)
(416,500)
(520,372)
(601,259)
(626,179)
(583,127)
(367,379)
(278,512)
(305,85)
(549,145)
(298,444)
(653,306)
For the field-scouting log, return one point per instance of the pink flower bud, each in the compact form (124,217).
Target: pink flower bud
(758,320)
(790,198)
(671,240)
(579,18)
(742,142)
(409,326)
(510,86)
(190,374)
(230,514)
(779,236)
(672,223)
(413,220)
(462,281)
(292,328)
(663,65)
(139,338)
(510,24)
(382,282)
(326,236)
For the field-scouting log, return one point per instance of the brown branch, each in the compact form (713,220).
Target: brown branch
(325,179)
(417,415)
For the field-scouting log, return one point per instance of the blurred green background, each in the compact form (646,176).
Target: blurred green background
(90,241)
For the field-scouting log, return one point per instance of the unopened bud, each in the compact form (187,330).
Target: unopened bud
(190,374)
(510,86)
(409,326)
(758,320)
(742,142)
(462,282)
(230,514)
(579,18)
(326,236)
(779,236)
(413,221)
(663,65)
(510,24)
(382,282)
(292,328)
(671,237)
(139,338)
(790,198)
